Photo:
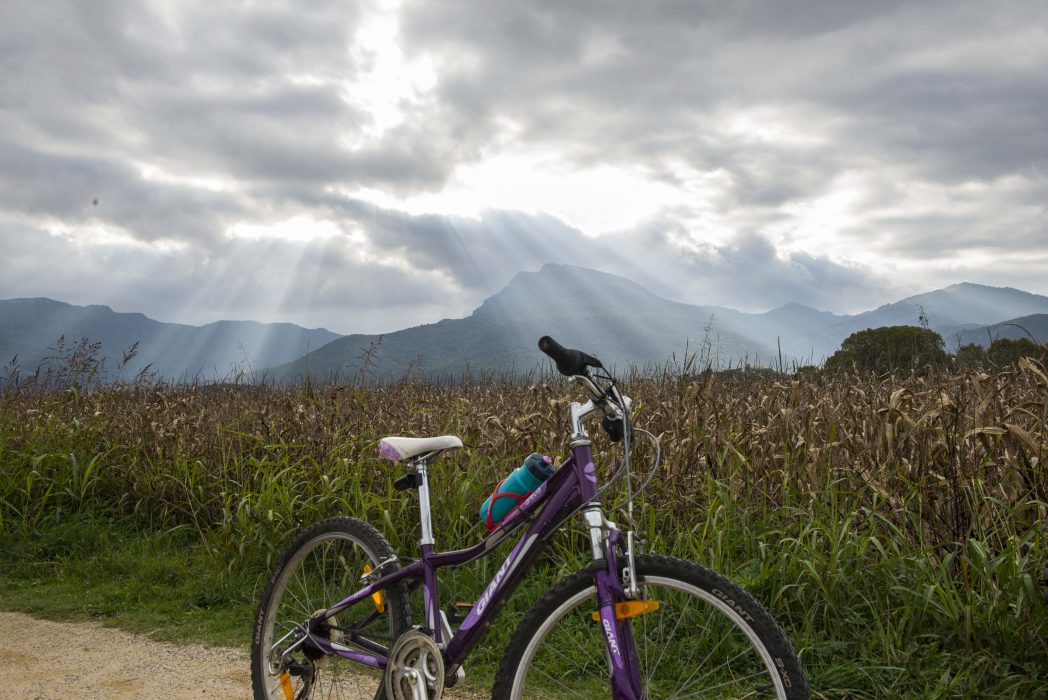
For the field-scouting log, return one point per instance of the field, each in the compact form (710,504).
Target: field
(894,526)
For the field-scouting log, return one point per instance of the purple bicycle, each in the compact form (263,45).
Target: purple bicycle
(629,626)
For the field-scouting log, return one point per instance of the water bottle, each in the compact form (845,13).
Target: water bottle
(512,490)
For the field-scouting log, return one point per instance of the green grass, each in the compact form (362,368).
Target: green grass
(166,585)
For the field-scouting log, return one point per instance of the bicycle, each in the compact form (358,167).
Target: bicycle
(632,625)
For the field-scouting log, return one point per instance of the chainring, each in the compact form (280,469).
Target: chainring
(416,668)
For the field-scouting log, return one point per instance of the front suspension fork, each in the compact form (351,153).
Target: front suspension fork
(621,650)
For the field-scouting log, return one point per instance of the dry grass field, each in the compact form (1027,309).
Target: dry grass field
(894,525)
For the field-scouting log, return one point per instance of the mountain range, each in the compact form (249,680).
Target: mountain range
(624,324)
(29,328)
(609,316)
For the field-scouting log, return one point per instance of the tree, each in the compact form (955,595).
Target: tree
(808,372)
(1005,351)
(971,356)
(889,349)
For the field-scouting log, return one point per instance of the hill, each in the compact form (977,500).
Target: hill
(610,316)
(28,327)
(623,323)
(1033,327)
(619,321)
(949,311)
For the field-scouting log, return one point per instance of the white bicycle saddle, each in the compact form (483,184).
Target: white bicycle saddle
(398,448)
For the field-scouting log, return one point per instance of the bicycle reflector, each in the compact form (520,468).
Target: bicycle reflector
(630,608)
(380,602)
(285,683)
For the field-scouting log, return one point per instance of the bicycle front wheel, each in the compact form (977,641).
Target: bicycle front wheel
(707,639)
(322,566)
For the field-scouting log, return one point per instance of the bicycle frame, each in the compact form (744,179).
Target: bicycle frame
(573,484)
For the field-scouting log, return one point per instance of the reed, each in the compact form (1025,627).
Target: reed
(895,525)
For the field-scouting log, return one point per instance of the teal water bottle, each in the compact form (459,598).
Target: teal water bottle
(512,490)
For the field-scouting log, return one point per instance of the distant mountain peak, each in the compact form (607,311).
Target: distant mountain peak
(975,287)
(978,285)
(46,301)
(577,272)
(558,285)
(795,307)
(559,267)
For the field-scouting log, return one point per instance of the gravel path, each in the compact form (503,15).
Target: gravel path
(45,660)
(42,659)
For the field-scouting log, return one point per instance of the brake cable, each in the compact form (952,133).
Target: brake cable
(627,446)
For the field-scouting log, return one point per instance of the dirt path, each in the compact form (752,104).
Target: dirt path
(42,659)
(45,660)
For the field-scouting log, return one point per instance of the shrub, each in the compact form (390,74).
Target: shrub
(889,349)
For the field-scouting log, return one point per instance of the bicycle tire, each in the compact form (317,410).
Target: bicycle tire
(558,652)
(292,582)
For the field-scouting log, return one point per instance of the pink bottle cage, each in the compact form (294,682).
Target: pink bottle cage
(495,495)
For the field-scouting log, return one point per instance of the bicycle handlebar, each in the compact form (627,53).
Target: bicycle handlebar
(573,363)
(569,362)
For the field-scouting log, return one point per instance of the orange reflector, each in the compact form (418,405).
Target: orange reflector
(630,608)
(380,602)
(285,683)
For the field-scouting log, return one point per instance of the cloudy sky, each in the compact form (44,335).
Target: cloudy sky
(367,166)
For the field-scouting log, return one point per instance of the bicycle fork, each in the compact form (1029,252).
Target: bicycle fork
(614,605)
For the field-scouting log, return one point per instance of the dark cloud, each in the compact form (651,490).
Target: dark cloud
(323,284)
(483,254)
(480,254)
(951,90)
(234,92)
(185,119)
(747,273)
(933,221)
(107,190)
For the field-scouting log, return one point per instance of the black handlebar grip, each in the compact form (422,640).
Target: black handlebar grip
(569,362)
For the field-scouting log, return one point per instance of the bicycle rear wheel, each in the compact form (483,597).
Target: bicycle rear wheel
(707,639)
(321,567)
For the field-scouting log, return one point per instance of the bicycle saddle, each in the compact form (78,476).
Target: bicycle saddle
(398,448)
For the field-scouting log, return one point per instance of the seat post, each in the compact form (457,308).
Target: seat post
(420,467)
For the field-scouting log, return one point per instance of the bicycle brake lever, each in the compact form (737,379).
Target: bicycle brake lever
(614,428)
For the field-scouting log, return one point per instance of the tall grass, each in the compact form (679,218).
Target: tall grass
(894,525)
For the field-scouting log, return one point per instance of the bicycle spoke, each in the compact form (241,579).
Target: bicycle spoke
(301,606)
(665,647)
(579,645)
(706,658)
(574,693)
(695,648)
(305,591)
(702,692)
(322,571)
(724,664)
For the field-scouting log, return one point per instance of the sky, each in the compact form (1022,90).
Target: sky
(368,166)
